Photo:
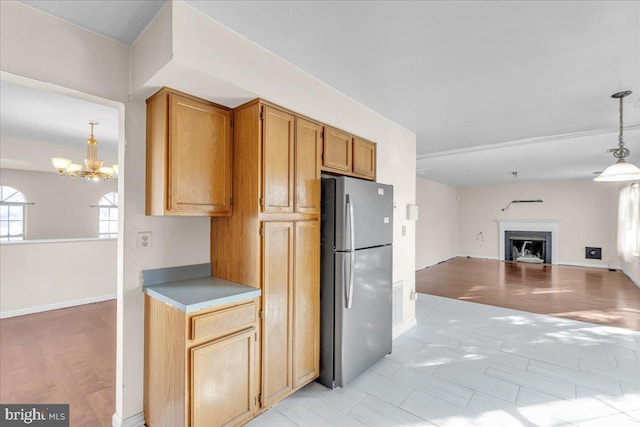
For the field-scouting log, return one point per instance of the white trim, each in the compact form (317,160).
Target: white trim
(584,264)
(529,225)
(435,263)
(634,281)
(135,421)
(56,306)
(521,142)
(480,257)
(84,239)
(401,329)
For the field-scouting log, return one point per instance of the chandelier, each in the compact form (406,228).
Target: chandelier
(620,170)
(93,171)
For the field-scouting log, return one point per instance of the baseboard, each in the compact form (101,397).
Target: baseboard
(404,328)
(480,257)
(135,421)
(56,306)
(634,281)
(579,264)
(422,267)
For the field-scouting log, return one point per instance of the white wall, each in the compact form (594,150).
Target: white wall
(437,226)
(204,45)
(53,51)
(62,207)
(586,210)
(40,46)
(38,276)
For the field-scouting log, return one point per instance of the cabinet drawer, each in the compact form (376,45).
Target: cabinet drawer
(223,322)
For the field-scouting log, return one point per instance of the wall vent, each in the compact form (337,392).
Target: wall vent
(397,302)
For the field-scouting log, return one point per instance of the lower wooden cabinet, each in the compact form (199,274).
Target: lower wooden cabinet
(223,380)
(201,368)
(291,304)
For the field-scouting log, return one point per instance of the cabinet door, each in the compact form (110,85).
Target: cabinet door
(336,153)
(277,303)
(364,158)
(199,157)
(306,303)
(223,381)
(308,153)
(277,161)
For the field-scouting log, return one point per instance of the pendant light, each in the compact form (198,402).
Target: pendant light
(620,170)
(93,171)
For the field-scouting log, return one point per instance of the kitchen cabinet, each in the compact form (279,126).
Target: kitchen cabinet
(189,148)
(306,302)
(201,367)
(277,161)
(277,289)
(344,154)
(364,158)
(308,153)
(272,240)
(291,319)
(337,151)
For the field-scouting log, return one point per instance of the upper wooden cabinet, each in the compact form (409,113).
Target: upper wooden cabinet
(277,161)
(364,158)
(189,149)
(308,152)
(344,154)
(337,150)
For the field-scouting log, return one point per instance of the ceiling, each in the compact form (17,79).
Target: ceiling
(38,115)
(488,87)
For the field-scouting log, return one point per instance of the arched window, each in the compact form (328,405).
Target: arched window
(108,222)
(12,204)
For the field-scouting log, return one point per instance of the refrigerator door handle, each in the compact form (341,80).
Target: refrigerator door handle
(352,255)
(352,233)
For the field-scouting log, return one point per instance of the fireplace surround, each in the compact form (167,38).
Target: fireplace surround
(529,225)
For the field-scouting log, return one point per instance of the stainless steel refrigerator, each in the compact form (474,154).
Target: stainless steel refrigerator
(355,279)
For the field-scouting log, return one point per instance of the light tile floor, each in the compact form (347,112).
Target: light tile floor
(468,364)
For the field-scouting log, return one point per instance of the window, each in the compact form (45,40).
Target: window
(12,204)
(108,222)
(629,222)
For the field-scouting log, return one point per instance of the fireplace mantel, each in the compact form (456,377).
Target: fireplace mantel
(529,225)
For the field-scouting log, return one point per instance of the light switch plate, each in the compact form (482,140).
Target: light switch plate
(412,212)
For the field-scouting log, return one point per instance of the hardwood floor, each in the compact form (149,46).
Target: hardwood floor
(588,294)
(62,356)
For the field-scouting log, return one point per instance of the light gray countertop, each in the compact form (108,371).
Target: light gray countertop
(188,293)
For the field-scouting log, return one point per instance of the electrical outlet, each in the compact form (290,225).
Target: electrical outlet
(404,230)
(413,296)
(145,240)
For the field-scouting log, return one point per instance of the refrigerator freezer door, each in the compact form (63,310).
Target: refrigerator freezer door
(372,205)
(363,332)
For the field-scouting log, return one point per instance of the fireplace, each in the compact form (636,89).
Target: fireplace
(542,233)
(528,246)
